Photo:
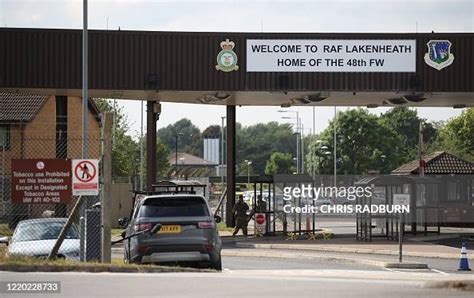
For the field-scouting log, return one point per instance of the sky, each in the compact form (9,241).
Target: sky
(246,16)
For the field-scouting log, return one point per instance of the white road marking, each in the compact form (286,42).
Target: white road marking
(440,272)
(391,270)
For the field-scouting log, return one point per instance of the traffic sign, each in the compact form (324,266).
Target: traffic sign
(85,178)
(260,218)
(260,223)
(401,200)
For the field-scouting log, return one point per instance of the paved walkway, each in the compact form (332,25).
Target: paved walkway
(414,248)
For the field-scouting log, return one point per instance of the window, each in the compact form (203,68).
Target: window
(174,207)
(457,190)
(4,137)
(42,230)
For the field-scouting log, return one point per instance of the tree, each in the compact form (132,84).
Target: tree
(279,163)
(212,132)
(162,162)
(363,144)
(256,143)
(405,122)
(189,137)
(125,152)
(457,136)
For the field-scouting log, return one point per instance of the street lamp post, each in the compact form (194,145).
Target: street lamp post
(335,144)
(176,151)
(298,138)
(248,162)
(222,154)
(302,148)
(383,157)
(319,147)
(297,152)
(141,146)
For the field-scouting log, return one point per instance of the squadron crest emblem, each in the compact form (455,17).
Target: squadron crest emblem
(439,54)
(227,59)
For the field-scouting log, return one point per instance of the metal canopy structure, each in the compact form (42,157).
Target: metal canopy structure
(232,69)
(182,67)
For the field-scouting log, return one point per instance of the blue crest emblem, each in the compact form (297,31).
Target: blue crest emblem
(439,54)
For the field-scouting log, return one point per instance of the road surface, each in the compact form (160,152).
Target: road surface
(241,283)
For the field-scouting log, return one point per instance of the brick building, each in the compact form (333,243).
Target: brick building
(39,126)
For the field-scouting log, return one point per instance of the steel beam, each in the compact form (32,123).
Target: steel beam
(230,139)
(150,145)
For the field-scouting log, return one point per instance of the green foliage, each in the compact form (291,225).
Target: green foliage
(256,143)
(366,142)
(363,143)
(212,132)
(243,168)
(279,163)
(162,163)
(189,137)
(457,136)
(405,123)
(125,151)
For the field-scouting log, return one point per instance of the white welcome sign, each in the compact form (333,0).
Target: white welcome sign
(319,55)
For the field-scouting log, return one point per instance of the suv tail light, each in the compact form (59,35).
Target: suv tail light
(205,225)
(142,227)
(208,247)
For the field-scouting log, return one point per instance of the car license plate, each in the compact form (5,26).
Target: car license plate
(171,229)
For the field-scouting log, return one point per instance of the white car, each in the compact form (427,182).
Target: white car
(36,238)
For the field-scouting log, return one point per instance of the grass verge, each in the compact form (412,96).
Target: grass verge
(223,228)
(5,230)
(29,264)
(116,232)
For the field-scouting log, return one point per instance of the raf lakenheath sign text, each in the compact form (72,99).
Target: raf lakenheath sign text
(285,55)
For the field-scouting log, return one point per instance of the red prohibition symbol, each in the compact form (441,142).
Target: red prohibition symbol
(85,171)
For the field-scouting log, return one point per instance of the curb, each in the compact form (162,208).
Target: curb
(281,255)
(347,250)
(406,265)
(94,269)
(433,238)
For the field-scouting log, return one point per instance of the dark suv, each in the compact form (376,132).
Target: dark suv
(188,231)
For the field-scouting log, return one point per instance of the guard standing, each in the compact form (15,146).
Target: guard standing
(240,212)
(261,205)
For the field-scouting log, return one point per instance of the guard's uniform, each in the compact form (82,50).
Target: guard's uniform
(261,206)
(240,210)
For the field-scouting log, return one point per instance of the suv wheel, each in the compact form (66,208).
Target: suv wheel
(217,265)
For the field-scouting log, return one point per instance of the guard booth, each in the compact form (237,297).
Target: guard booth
(263,205)
(270,189)
(294,222)
(424,207)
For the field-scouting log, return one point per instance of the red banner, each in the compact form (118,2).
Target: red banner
(41,181)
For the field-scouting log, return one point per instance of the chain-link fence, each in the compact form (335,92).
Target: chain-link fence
(33,226)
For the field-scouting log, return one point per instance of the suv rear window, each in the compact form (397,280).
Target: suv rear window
(173,207)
